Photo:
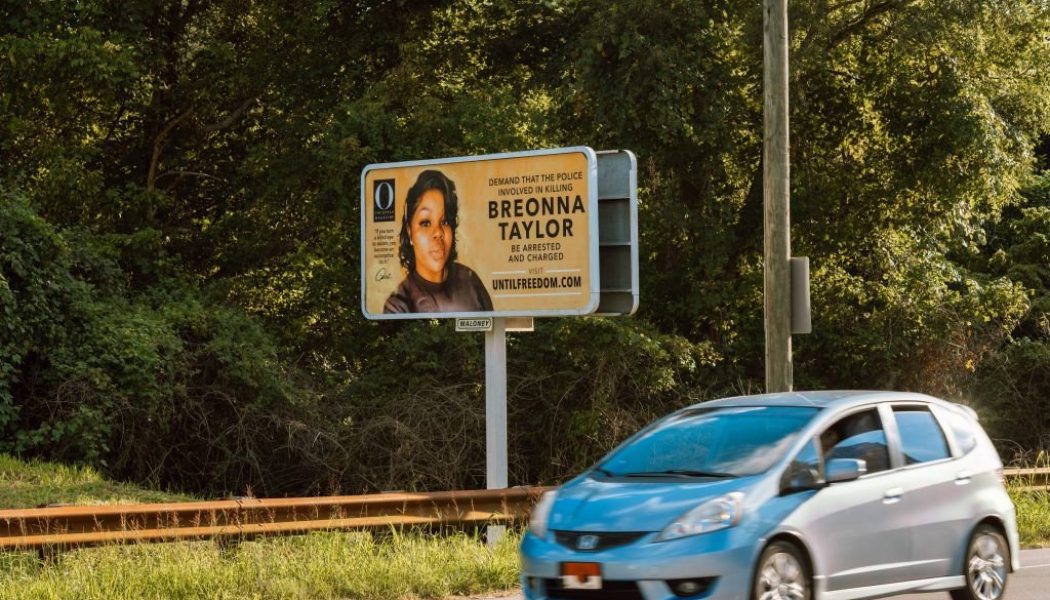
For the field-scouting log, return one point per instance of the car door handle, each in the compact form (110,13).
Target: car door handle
(892,495)
(963,477)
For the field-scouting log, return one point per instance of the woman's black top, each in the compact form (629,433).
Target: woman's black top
(462,291)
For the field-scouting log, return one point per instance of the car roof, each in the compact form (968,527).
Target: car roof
(818,399)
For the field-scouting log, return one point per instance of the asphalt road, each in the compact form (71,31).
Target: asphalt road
(1032,582)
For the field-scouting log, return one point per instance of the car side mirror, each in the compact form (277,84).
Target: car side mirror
(845,469)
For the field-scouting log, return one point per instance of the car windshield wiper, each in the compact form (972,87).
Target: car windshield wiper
(679,473)
(604,472)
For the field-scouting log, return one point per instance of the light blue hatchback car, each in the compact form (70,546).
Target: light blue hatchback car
(796,496)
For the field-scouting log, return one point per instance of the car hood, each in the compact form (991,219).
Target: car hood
(633,505)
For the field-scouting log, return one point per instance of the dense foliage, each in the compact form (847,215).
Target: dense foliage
(179,257)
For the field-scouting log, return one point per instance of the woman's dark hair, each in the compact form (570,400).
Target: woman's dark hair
(430,179)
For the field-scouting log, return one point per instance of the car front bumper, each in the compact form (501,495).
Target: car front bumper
(644,569)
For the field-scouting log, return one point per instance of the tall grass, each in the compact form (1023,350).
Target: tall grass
(1033,516)
(319,566)
(1032,500)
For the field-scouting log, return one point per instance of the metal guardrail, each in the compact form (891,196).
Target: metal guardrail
(73,526)
(1033,479)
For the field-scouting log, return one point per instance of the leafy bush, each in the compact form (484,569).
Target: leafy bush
(161,386)
(44,308)
(575,388)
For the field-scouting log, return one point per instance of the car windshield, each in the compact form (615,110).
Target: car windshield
(710,442)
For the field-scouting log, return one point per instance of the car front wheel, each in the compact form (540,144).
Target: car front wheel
(986,566)
(781,574)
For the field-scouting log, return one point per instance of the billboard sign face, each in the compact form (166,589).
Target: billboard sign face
(498,235)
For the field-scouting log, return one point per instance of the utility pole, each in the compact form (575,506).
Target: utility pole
(776,179)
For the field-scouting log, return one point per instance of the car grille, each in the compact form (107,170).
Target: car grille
(570,539)
(611,590)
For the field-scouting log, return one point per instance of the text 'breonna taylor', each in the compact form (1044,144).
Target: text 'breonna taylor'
(535,218)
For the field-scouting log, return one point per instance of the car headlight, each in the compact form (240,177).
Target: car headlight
(717,513)
(540,514)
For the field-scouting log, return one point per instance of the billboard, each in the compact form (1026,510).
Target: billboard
(511,234)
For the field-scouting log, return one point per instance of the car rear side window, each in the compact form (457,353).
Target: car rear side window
(921,437)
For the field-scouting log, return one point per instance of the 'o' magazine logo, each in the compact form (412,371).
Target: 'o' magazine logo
(383,200)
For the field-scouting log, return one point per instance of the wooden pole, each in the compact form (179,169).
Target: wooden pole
(776,198)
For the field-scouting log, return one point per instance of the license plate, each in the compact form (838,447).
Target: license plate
(581,576)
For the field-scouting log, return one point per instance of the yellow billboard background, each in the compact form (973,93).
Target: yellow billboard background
(524,226)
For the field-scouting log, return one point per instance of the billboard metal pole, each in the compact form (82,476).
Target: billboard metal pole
(776,198)
(496,415)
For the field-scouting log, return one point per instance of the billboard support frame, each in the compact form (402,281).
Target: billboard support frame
(496,416)
(611,268)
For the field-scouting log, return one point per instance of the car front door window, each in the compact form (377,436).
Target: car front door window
(859,436)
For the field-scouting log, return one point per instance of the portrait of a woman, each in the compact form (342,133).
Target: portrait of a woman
(434,281)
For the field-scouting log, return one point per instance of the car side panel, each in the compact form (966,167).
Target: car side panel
(859,537)
(941,511)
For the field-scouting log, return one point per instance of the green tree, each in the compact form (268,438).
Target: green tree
(180,256)
(1014,383)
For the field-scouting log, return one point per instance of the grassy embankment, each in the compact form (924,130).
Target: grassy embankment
(315,567)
